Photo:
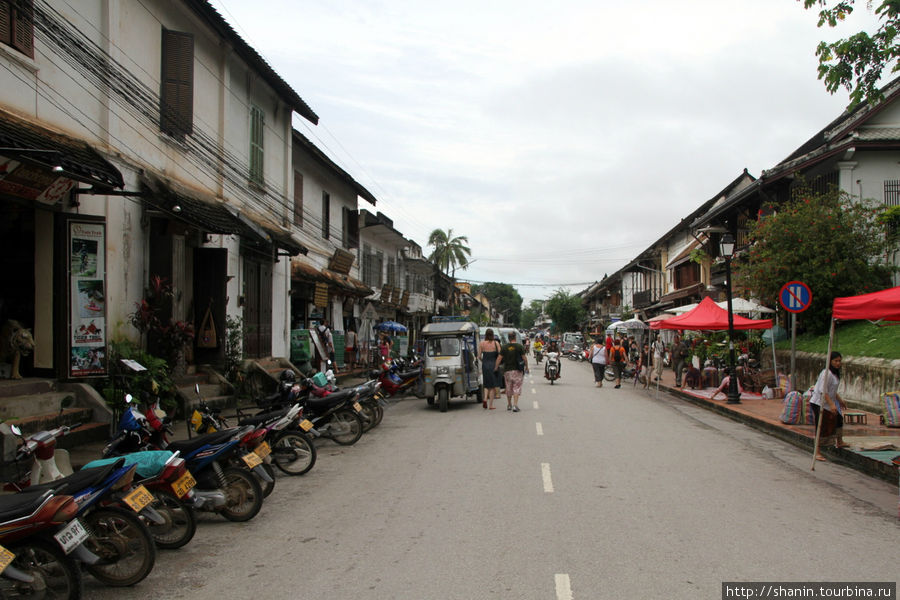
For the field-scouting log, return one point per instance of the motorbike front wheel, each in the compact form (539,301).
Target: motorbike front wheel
(180,525)
(610,374)
(243,495)
(293,453)
(123,543)
(349,425)
(55,574)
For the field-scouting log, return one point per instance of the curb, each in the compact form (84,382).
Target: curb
(847,458)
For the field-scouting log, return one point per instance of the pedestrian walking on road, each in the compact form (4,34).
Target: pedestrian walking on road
(659,356)
(679,358)
(643,367)
(515,365)
(488,352)
(828,406)
(598,361)
(619,358)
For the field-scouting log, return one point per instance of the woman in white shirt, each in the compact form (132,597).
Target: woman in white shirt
(828,405)
(598,361)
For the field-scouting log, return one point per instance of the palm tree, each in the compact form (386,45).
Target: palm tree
(448,251)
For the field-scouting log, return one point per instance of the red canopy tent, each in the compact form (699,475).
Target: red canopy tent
(877,306)
(709,316)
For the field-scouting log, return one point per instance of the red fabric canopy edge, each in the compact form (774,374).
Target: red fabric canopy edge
(883,305)
(709,316)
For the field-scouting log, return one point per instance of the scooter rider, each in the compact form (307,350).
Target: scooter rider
(554,347)
(538,348)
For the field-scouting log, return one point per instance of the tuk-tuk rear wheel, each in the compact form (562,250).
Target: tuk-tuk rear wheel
(430,400)
(479,395)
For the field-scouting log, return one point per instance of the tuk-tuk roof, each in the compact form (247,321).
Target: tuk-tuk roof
(451,327)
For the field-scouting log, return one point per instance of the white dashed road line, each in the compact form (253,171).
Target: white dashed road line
(540,429)
(535,405)
(563,587)
(545,473)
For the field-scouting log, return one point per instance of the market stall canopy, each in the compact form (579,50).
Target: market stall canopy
(391,326)
(776,334)
(661,317)
(629,324)
(742,305)
(680,310)
(708,316)
(877,306)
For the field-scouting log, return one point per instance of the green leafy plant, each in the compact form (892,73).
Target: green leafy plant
(155,380)
(827,240)
(170,337)
(234,338)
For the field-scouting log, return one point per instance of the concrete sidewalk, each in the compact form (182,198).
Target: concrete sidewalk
(872,449)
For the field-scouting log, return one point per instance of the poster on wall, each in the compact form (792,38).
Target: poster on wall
(87,299)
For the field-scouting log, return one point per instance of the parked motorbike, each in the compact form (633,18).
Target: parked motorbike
(118,537)
(255,450)
(627,372)
(41,537)
(230,491)
(334,416)
(38,460)
(397,381)
(166,476)
(551,371)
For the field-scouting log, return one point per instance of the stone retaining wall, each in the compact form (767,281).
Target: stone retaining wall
(863,379)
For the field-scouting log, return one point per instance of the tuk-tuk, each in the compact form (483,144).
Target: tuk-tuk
(451,361)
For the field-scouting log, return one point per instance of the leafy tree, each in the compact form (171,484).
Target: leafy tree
(833,244)
(449,252)
(566,311)
(504,299)
(530,314)
(857,62)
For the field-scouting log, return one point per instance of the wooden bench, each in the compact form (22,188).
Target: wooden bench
(855,417)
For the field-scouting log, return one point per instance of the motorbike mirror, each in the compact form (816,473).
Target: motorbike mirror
(128,398)
(15,429)
(197,388)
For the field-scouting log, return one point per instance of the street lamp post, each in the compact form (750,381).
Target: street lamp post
(726,248)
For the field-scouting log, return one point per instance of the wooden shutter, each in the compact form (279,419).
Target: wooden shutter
(257,133)
(298,198)
(326,215)
(5,23)
(177,94)
(17,25)
(351,228)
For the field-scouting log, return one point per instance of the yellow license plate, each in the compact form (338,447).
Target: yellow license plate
(357,406)
(306,425)
(6,557)
(183,484)
(251,460)
(263,450)
(138,498)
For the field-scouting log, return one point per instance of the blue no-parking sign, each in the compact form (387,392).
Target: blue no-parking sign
(795,296)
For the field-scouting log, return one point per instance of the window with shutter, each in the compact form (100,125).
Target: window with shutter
(298,198)
(17,25)
(176,105)
(326,215)
(351,228)
(257,131)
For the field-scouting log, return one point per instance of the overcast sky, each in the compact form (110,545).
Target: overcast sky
(562,138)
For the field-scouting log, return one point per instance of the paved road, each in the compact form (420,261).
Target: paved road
(586,493)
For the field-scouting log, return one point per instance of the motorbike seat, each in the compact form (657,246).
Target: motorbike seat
(186,447)
(79,480)
(16,506)
(263,417)
(318,404)
(410,373)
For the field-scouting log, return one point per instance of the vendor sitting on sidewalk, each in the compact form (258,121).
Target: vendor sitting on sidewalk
(723,387)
